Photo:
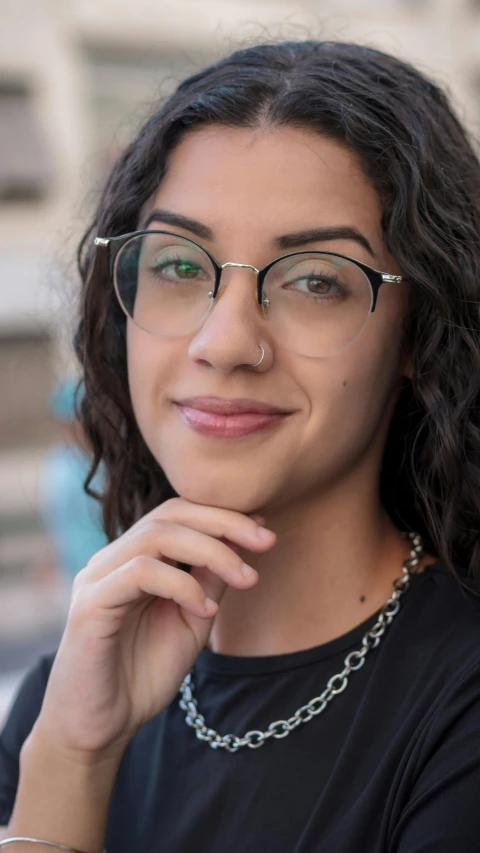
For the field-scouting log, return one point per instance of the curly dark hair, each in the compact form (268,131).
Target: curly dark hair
(419,159)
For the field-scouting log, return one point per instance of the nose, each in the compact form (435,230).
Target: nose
(233,329)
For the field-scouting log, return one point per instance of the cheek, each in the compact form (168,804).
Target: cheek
(138,371)
(351,393)
(149,365)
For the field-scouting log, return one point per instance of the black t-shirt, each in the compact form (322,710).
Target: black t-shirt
(392,764)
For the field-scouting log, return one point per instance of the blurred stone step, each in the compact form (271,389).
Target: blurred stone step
(20,553)
(26,609)
(19,481)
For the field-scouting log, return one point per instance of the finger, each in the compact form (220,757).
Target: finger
(166,540)
(142,577)
(215,521)
(147,537)
(212,585)
(259,519)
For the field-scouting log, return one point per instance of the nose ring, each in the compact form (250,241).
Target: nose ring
(261,357)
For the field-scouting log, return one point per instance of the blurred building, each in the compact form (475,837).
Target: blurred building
(76,79)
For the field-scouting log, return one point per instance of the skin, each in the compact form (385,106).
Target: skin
(315,477)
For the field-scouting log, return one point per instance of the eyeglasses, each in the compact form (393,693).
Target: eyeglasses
(315,303)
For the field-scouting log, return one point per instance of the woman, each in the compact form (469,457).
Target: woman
(280,317)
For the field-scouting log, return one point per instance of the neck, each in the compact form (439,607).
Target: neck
(333,567)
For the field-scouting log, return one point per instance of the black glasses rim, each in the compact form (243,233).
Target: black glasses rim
(123,239)
(374,276)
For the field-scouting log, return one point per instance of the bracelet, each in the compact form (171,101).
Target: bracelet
(41,841)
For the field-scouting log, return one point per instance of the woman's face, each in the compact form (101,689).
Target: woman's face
(248,187)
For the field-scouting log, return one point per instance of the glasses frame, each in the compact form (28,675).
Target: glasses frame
(115,244)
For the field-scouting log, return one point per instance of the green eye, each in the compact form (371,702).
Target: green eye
(176,268)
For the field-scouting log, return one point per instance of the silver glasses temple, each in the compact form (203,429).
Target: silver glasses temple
(395,279)
(41,841)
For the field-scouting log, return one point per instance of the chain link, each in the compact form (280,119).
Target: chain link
(336,684)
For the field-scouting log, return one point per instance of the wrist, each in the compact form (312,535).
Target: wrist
(42,741)
(63,796)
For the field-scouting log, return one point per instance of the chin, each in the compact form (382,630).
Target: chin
(218,491)
(222,498)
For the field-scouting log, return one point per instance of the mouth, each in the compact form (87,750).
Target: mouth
(217,417)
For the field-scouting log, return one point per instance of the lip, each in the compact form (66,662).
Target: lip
(220,418)
(239,406)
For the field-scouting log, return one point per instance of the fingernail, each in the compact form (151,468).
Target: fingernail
(209,604)
(247,571)
(264,532)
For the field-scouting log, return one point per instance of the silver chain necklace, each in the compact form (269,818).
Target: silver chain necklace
(336,684)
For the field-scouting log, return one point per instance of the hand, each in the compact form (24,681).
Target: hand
(137,623)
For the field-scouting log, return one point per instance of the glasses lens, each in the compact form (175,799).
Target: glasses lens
(318,304)
(163,283)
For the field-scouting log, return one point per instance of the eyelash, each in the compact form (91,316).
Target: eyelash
(328,279)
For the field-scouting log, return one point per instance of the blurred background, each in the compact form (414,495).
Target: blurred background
(76,79)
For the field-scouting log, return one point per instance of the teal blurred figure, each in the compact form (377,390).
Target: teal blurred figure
(71,517)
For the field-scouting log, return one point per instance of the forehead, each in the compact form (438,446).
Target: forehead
(267,180)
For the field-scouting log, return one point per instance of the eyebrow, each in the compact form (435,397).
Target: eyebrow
(293,240)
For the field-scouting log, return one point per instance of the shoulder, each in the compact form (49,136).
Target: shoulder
(20,720)
(446,615)
(437,652)
(433,645)
(26,704)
